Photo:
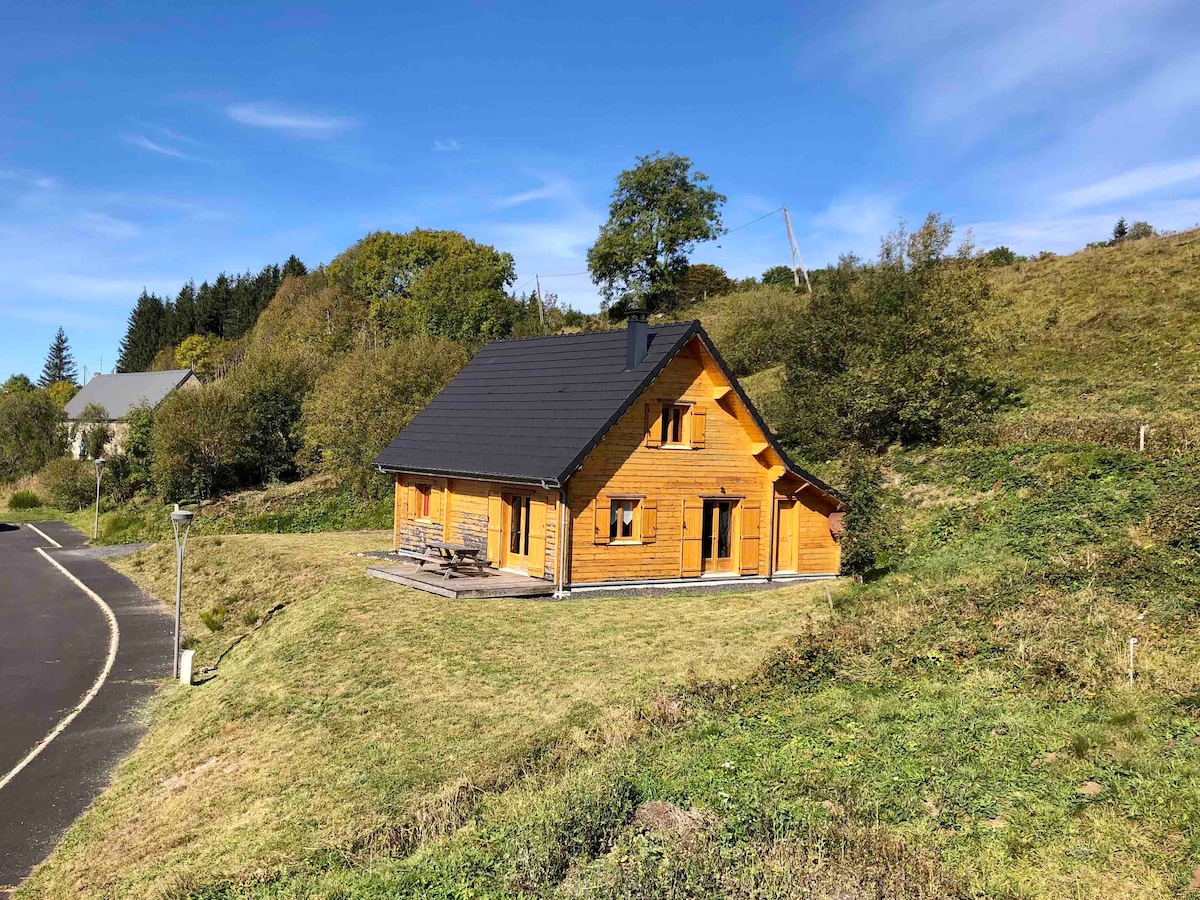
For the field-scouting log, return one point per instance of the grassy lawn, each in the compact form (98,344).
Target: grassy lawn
(366,715)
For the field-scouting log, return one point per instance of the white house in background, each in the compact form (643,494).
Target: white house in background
(119,394)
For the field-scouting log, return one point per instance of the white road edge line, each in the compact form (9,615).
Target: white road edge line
(45,537)
(114,640)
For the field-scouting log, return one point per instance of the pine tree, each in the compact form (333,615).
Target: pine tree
(60,363)
(143,336)
(293,267)
(1120,230)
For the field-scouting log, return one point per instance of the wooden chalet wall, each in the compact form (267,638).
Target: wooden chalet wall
(671,483)
(469,512)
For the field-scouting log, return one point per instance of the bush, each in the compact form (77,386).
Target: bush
(201,440)
(872,526)
(357,408)
(92,431)
(24,500)
(273,382)
(892,352)
(31,432)
(755,332)
(69,483)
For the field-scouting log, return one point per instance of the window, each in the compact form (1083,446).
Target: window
(674,418)
(424,495)
(620,520)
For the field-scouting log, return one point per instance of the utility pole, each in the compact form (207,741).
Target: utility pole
(797,259)
(541,307)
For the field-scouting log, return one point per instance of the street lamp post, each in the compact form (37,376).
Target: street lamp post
(181,520)
(99,461)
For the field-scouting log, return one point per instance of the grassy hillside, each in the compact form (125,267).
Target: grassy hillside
(364,718)
(1108,330)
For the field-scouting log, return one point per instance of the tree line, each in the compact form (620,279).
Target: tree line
(225,309)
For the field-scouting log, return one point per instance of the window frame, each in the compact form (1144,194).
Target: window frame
(667,410)
(635,523)
(423,492)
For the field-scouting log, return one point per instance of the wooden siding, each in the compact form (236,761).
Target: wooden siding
(734,463)
(463,511)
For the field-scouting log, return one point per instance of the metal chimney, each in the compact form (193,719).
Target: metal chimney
(637,338)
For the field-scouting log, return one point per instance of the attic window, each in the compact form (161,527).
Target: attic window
(424,495)
(674,424)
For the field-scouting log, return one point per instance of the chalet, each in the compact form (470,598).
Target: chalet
(119,394)
(609,459)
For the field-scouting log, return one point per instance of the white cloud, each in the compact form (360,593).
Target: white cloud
(107,226)
(446,146)
(1135,183)
(140,140)
(291,122)
(553,187)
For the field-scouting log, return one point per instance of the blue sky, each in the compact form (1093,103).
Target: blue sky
(142,144)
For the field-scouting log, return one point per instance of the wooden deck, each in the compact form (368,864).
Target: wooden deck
(464,587)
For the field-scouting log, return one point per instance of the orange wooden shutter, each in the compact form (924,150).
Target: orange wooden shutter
(397,513)
(410,501)
(495,527)
(649,521)
(693,534)
(602,514)
(699,420)
(748,539)
(537,537)
(435,502)
(653,425)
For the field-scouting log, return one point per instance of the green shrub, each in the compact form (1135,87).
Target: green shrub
(360,405)
(200,441)
(24,500)
(31,432)
(893,352)
(69,483)
(756,331)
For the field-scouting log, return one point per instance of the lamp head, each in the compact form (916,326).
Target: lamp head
(99,463)
(181,516)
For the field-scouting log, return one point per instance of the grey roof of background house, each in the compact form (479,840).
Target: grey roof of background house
(530,410)
(118,394)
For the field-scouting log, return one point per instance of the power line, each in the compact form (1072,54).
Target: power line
(752,221)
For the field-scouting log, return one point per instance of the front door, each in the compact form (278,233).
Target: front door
(515,540)
(716,547)
(785,536)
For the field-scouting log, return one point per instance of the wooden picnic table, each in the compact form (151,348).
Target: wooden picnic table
(453,558)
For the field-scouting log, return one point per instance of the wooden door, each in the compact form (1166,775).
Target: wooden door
(785,535)
(515,541)
(716,539)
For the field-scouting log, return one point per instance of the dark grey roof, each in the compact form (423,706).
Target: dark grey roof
(531,410)
(118,394)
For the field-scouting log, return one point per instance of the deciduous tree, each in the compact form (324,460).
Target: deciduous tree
(432,283)
(31,432)
(359,406)
(660,210)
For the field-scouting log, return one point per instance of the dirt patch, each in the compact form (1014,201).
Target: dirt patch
(661,817)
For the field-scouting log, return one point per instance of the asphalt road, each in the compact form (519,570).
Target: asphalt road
(54,643)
